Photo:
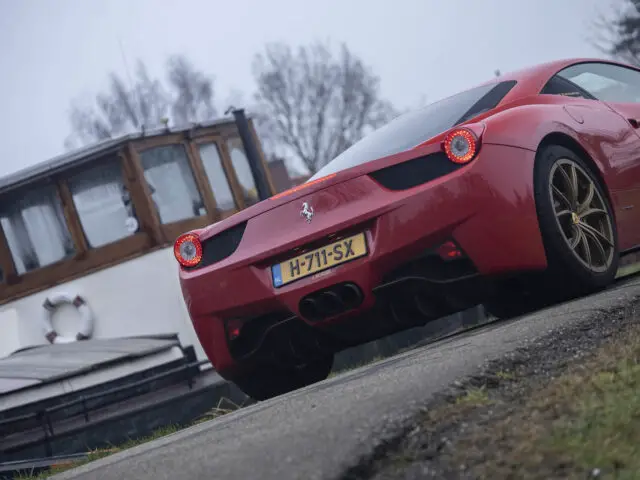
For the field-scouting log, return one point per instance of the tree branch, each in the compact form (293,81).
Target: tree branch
(315,103)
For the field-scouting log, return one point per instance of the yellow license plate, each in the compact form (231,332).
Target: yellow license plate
(318,260)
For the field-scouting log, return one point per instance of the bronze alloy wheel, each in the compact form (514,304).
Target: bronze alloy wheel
(579,235)
(582,215)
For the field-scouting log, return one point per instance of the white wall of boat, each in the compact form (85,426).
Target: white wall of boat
(138,297)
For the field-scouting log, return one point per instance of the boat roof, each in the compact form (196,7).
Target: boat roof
(50,363)
(93,151)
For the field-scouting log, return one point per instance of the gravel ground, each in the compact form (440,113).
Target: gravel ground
(449,439)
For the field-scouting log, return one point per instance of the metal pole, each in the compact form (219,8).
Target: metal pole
(251,150)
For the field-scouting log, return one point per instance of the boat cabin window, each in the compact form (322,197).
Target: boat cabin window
(34,225)
(117,201)
(171,183)
(103,203)
(243,171)
(217,176)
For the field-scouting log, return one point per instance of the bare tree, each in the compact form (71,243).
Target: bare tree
(193,101)
(143,102)
(120,109)
(315,103)
(618,35)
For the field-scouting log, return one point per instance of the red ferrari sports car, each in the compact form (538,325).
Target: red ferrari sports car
(514,194)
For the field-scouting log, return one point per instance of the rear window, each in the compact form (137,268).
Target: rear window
(413,128)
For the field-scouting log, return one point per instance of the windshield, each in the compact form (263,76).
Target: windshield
(413,128)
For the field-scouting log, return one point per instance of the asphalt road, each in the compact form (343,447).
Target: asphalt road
(321,431)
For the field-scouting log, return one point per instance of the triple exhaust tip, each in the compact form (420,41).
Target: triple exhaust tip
(332,301)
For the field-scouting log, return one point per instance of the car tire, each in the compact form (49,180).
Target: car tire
(567,272)
(566,276)
(270,381)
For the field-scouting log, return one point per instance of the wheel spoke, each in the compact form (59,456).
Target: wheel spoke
(598,244)
(585,247)
(588,199)
(569,182)
(574,184)
(595,232)
(582,214)
(562,197)
(593,211)
(573,242)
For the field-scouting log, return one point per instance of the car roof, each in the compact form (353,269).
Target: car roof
(531,80)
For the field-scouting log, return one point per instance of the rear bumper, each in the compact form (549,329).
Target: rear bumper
(487,208)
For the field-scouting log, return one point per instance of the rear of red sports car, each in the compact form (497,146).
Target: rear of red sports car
(407,226)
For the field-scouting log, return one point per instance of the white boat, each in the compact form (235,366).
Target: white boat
(98,225)
(87,270)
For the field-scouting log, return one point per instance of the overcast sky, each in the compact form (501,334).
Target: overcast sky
(53,51)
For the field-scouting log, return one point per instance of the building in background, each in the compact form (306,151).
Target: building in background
(281,178)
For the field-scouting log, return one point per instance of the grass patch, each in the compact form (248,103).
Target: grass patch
(504,375)
(100,453)
(600,430)
(223,407)
(584,423)
(474,396)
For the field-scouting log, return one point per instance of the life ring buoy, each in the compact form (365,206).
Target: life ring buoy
(86,315)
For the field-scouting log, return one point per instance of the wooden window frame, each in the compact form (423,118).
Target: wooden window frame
(225,161)
(9,273)
(233,176)
(225,132)
(72,218)
(6,257)
(171,231)
(225,145)
(86,260)
(153,235)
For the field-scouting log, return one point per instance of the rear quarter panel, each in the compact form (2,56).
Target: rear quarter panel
(603,134)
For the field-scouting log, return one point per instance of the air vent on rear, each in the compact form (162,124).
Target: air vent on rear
(220,246)
(415,172)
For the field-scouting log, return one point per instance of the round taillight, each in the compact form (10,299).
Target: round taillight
(460,145)
(188,250)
